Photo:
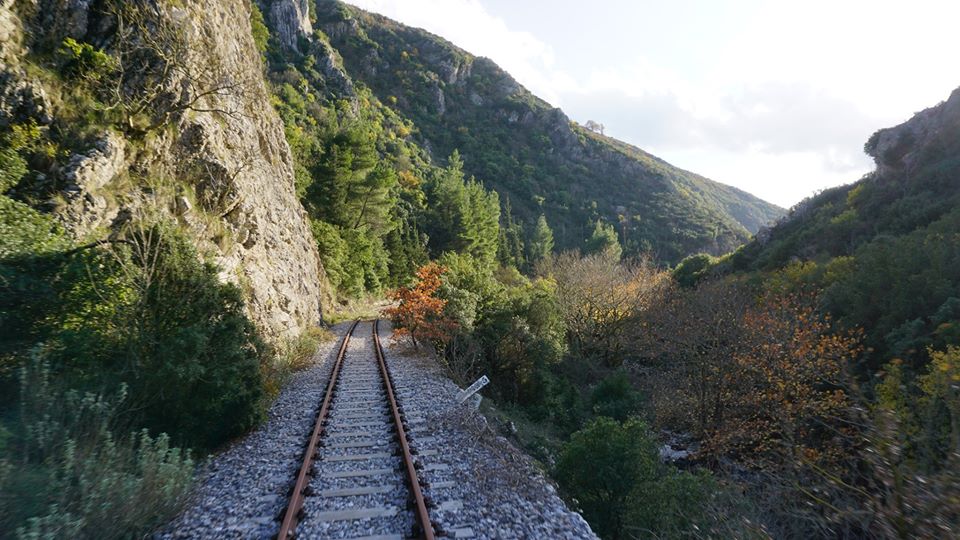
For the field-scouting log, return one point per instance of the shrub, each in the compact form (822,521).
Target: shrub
(599,300)
(148,312)
(294,354)
(193,355)
(693,269)
(419,313)
(23,230)
(615,397)
(83,60)
(74,478)
(614,472)
(674,505)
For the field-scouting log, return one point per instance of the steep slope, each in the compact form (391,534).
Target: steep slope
(916,183)
(886,248)
(530,152)
(212,156)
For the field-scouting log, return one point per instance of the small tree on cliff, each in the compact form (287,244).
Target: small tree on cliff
(420,312)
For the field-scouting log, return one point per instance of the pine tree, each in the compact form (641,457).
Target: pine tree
(510,251)
(345,180)
(481,223)
(603,241)
(541,241)
(372,198)
(461,215)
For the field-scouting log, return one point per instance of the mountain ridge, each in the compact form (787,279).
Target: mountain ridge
(531,152)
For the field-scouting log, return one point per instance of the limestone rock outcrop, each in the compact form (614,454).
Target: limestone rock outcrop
(901,148)
(221,166)
(290,19)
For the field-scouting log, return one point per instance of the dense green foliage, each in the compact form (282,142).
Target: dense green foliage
(623,488)
(603,241)
(146,313)
(541,242)
(461,216)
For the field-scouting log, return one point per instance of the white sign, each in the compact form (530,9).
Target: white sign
(474,388)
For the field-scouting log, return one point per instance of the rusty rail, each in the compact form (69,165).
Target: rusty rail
(295,509)
(422,516)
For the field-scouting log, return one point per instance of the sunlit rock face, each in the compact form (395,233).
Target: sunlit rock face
(227,152)
(290,20)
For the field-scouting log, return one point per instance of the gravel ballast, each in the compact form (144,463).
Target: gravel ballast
(480,485)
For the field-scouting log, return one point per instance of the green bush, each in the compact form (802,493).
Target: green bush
(674,505)
(187,350)
(693,269)
(84,60)
(614,472)
(615,397)
(69,476)
(23,230)
(148,312)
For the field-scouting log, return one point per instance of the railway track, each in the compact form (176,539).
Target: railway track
(359,477)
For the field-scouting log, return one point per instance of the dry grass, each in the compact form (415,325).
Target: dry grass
(368,307)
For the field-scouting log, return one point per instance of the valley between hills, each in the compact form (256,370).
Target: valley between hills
(199,199)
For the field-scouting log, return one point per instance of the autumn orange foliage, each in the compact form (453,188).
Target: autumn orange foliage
(419,313)
(795,364)
(761,380)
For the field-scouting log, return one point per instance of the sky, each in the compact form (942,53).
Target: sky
(775,97)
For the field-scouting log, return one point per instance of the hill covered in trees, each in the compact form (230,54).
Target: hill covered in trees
(169,236)
(530,152)
(885,248)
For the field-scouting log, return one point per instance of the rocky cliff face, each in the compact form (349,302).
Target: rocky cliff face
(905,147)
(223,165)
(290,20)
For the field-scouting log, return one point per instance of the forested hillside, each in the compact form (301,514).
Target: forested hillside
(885,249)
(530,152)
(878,259)
(189,190)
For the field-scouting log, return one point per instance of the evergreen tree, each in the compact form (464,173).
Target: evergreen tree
(341,187)
(510,252)
(372,198)
(445,199)
(541,241)
(408,252)
(481,223)
(603,241)
(461,215)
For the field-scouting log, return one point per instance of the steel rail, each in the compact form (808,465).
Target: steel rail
(294,510)
(422,516)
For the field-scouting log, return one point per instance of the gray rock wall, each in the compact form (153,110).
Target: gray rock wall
(290,20)
(228,150)
(901,148)
(275,257)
